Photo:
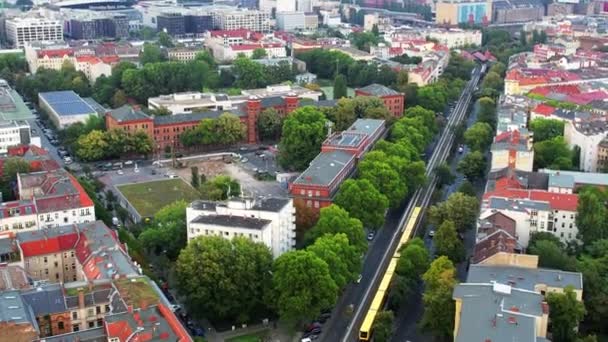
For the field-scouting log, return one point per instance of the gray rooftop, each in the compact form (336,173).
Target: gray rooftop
(203,205)
(194,117)
(325,168)
(128,113)
(561,181)
(583,178)
(497,313)
(45,300)
(232,221)
(517,205)
(12,106)
(524,278)
(367,126)
(67,103)
(270,204)
(101,110)
(14,309)
(94,298)
(379,90)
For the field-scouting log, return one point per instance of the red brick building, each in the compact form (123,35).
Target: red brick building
(165,130)
(393,100)
(317,185)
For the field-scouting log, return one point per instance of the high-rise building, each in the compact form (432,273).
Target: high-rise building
(172,23)
(286,6)
(454,12)
(20,30)
(228,20)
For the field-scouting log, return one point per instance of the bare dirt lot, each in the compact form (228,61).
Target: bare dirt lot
(249,184)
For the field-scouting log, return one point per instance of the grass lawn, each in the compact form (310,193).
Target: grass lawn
(149,197)
(257,337)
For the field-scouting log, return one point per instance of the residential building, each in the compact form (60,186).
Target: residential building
(16,317)
(454,12)
(374,19)
(65,107)
(588,136)
(48,305)
(519,81)
(297,21)
(18,216)
(88,304)
(317,185)
(228,44)
(499,312)
(454,37)
(429,70)
(21,30)
(183,54)
(495,234)
(235,19)
(517,11)
(514,150)
(13,278)
(270,221)
(393,101)
(12,106)
(353,53)
(602,156)
(91,25)
(14,133)
(94,67)
(534,209)
(59,198)
(570,181)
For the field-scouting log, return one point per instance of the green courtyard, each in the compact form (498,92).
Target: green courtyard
(149,197)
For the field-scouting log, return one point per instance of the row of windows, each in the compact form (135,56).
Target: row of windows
(221,233)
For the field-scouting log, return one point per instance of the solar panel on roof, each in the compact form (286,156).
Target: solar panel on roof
(67,103)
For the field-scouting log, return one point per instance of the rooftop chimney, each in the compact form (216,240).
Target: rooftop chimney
(80,298)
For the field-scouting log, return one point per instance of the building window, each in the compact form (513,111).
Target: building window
(107,308)
(98,309)
(90,313)
(75,327)
(100,322)
(92,324)
(75,315)
(60,326)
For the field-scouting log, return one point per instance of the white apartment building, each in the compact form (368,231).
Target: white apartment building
(257,21)
(58,197)
(190,101)
(455,38)
(269,221)
(296,21)
(20,30)
(587,136)
(513,149)
(14,133)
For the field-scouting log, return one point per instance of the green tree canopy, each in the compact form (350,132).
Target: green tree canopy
(383,326)
(448,243)
(363,201)
(487,111)
(546,129)
(343,260)
(458,208)
(340,87)
(269,124)
(303,133)
(259,53)
(224,279)
(335,220)
(413,260)
(473,165)
(551,255)
(565,313)
(384,178)
(492,80)
(439,307)
(302,286)
(167,234)
(592,215)
(553,153)
(479,136)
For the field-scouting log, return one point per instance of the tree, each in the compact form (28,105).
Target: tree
(248,74)
(229,129)
(385,179)
(458,208)
(164,39)
(473,165)
(550,255)
(499,68)
(546,129)
(553,153)
(383,326)
(413,260)
(432,97)
(439,307)
(335,220)
(467,188)
(220,188)
(259,53)
(224,279)
(269,124)
(302,286)
(340,87)
(444,175)
(92,146)
(448,243)
(303,133)
(349,110)
(119,98)
(13,166)
(343,260)
(479,136)
(140,142)
(487,111)
(492,80)
(150,54)
(402,81)
(592,215)
(196,178)
(363,201)
(565,313)
(167,234)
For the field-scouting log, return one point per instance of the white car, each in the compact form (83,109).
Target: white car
(67,160)
(359,278)
(431,233)
(120,172)
(171,175)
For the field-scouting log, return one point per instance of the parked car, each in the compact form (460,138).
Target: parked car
(171,175)
(359,279)
(431,233)
(67,160)
(129,163)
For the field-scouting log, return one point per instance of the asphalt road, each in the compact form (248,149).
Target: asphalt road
(344,324)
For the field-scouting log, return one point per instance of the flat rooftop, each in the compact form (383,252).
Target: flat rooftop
(12,106)
(523,277)
(587,178)
(231,221)
(325,168)
(67,103)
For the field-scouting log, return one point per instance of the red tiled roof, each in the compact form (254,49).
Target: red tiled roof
(557,201)
(243,33)
(120,329)
(543,109)
(85,200)
(49,245)
(55,53)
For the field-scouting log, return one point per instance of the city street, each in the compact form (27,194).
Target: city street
(344,326)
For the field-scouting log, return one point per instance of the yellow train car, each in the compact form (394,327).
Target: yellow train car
(365,332)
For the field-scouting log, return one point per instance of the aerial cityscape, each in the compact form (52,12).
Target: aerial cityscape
(303,170)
